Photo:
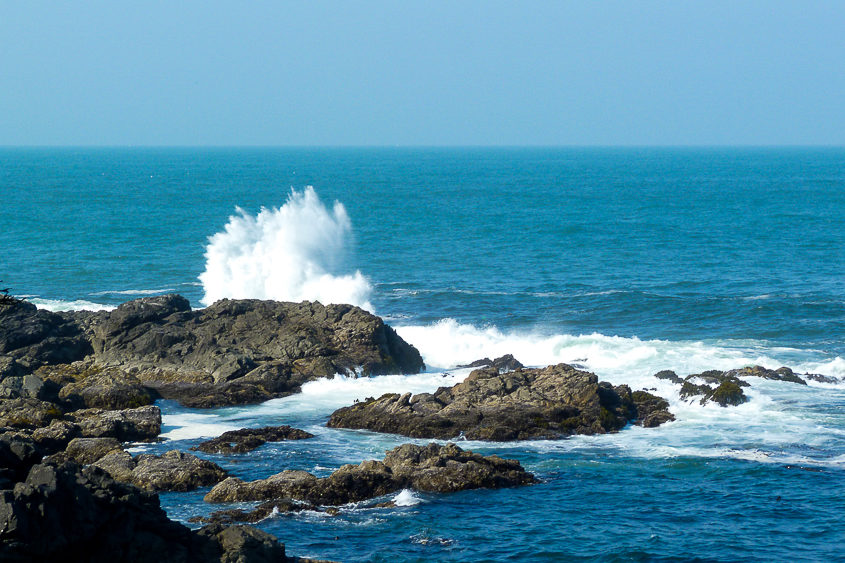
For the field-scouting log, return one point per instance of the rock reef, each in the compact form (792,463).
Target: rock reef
(431,468)
(522,404)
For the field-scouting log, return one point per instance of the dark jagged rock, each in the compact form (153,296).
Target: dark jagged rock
(232,339)
(821,378)
(432,468)
(669,375)
(171,471)
(129,425)
(233,352)
(64,513)
(723,388)
(503,363)
(247,439)
(34,337)
(524,404)
(651,410)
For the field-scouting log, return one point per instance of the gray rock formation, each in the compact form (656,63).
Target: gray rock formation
(524,404)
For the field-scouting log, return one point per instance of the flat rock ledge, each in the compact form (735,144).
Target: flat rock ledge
(432,468)
(248,439)
(546,403)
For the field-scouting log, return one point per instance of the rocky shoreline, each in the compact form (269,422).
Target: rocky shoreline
(75,388)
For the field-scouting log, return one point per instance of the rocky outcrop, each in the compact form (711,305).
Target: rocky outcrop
(73,514)
(86,451)
(171,471)
(233,352)
(128,425)
(432,468)
(247,439)
(524,404)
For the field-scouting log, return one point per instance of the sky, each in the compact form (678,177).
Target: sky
(440,73)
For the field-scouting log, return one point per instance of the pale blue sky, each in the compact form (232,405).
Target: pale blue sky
(426,73)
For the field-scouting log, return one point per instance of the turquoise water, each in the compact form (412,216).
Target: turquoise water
(627,261)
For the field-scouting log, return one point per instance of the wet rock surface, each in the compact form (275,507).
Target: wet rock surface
(248,439)
(523,404)
(431,468)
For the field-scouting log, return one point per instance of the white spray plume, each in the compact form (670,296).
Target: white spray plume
(285,254)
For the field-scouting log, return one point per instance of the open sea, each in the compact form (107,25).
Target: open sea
(626,261)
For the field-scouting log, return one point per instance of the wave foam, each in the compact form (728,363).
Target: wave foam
(285,254)
(448,343)
(56,305)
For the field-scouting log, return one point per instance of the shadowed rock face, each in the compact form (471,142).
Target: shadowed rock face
(233,352)
(431,468)
(523,404)
(59,511)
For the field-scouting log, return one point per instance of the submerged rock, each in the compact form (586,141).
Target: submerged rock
(247,439)
(432,468)
(524,404)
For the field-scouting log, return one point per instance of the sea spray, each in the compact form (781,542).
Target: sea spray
(287,254)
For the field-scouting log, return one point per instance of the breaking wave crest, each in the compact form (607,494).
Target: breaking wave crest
(286,254)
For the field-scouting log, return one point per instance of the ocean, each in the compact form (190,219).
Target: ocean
(626,261)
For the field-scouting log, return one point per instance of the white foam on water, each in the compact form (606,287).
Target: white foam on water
(192,425)
(286,254)
(56,305)
(447,343)
(406,497)
(135,291)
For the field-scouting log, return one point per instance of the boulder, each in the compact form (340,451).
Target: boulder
(523,404)
(433,468)
(171,471)
(720,387)
(85,451)
(128,425)
(247,439)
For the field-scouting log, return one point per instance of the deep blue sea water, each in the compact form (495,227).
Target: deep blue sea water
(626,261)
